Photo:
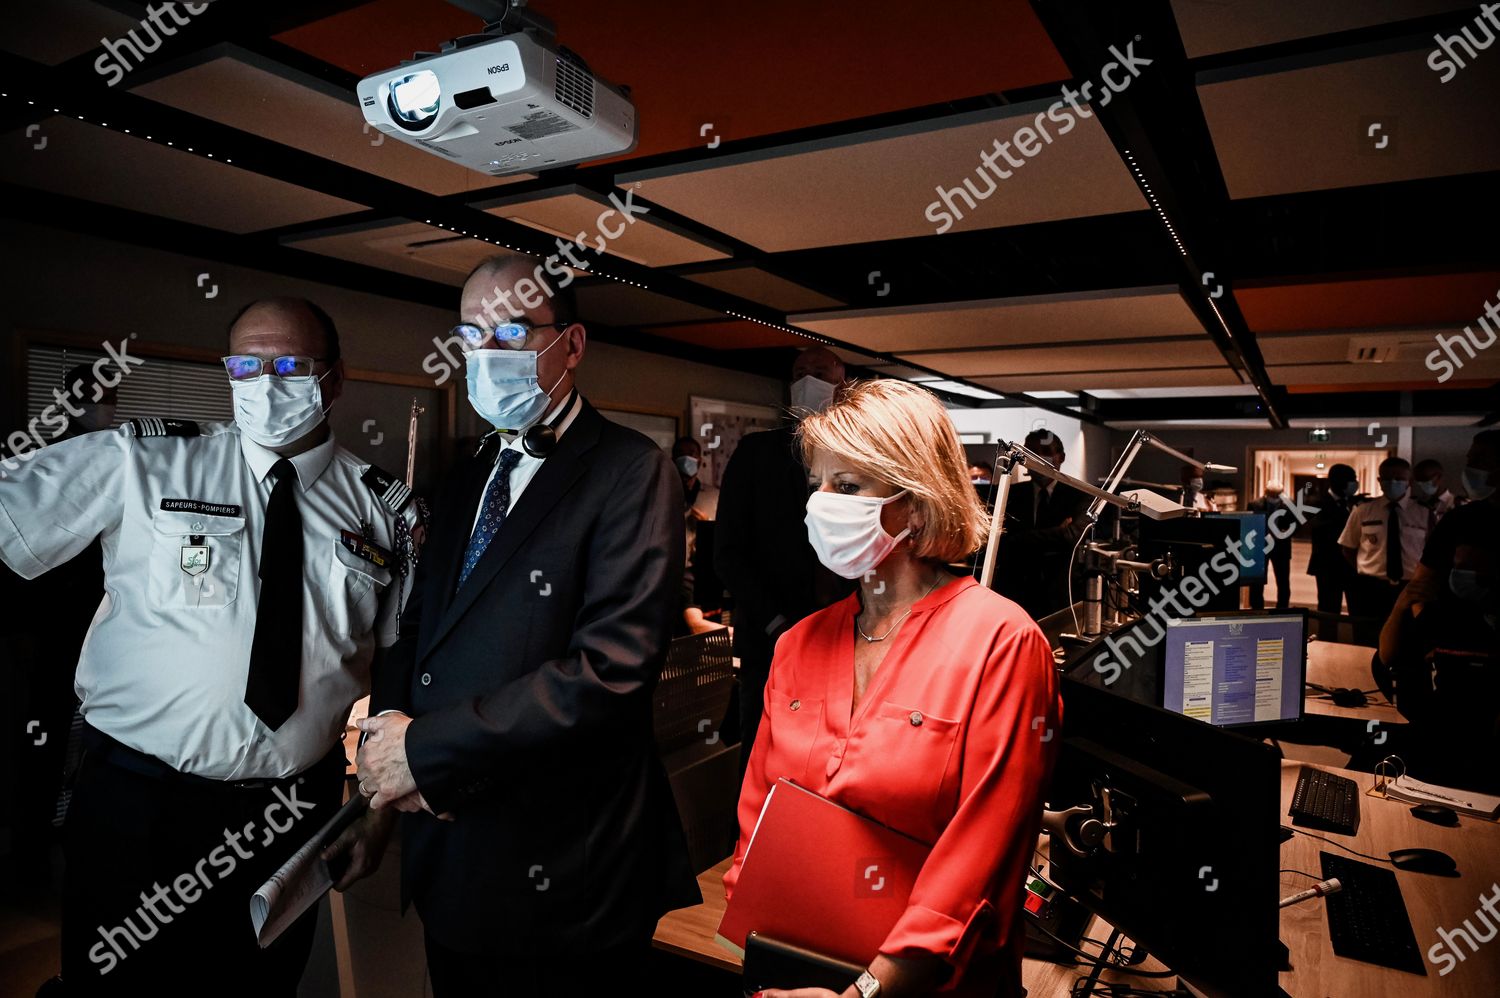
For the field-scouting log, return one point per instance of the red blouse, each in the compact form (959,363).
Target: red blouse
(969,778)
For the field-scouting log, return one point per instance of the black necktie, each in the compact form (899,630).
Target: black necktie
(276,652)
(1393,543)
(1042,497)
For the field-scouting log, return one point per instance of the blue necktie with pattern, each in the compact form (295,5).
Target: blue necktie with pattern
(492,512)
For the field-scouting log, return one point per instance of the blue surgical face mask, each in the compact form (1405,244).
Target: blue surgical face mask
(1424,490)
(1465,585)
(1350,488)
(1394,488)
(687,464)
(503,387)
(1476,483)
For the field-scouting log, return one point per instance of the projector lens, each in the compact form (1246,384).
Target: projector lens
(415,98)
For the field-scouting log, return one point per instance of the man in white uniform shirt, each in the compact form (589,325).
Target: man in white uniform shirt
(1383,539)
(249,579)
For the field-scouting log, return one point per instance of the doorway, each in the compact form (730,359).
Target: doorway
(1302,468)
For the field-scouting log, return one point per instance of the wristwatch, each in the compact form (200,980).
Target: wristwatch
(867,985)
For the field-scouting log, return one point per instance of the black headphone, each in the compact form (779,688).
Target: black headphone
(539,440)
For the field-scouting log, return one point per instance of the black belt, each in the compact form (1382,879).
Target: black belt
(117,753)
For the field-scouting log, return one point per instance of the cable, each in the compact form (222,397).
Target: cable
(1101,957)
(1299,873)
(1071,561)
(1356,852)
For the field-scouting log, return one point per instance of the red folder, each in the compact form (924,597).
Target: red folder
(818,875)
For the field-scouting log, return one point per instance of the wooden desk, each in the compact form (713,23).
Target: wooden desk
(690,932)
(1333,665)
(1432,902)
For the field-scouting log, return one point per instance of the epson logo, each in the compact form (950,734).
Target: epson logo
(504,67)
(507,142)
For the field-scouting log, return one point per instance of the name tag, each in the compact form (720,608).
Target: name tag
(201,506)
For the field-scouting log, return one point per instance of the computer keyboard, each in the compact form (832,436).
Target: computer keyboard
(1326,802)
(1367,917)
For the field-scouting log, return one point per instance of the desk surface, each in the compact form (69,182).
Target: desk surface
(1433,903)
(1333,665)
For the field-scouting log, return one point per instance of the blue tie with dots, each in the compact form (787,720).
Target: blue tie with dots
(496,504)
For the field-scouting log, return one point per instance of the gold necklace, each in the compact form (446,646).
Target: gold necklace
(897,624)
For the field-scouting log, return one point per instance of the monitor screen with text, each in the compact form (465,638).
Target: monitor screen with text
(1236,670)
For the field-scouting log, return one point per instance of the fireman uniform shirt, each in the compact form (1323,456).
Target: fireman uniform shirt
(180,510)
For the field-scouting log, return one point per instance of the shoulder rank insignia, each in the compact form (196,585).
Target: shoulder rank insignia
(150,426)
(393,492)
(367,549)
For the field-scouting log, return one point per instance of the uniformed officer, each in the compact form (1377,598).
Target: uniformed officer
(250,576)
(1383,539)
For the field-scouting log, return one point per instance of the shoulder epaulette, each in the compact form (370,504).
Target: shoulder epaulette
(150,426)
(394,494)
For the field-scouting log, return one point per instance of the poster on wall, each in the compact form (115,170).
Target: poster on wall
(719,427)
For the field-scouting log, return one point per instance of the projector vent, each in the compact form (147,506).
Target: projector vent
(575,84)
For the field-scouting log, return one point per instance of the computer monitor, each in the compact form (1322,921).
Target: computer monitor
(1252,542)
(1186,864)
(1236,669)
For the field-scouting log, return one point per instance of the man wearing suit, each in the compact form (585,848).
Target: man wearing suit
(1327,564)
(1043,521)
(760,540)
(1279,560)
(541,842)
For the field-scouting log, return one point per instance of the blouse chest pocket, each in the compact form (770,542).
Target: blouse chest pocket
(908,753)
(354,590)
(195,559)
(794,725)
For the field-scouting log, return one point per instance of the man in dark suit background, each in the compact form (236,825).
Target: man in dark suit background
(523,680)
(1326,563)
(1043,521)
(1279,560)
(760,540)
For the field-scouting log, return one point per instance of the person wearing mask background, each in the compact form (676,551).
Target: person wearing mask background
(1383,541)
(923,701)
(700,505)
(1279,560)
(51,617)
(982,473)
(248,584)
(1477,518)
(1044,520)
(512,722)
(760,543)
(1193,496)
(1327,563)
(1427,489)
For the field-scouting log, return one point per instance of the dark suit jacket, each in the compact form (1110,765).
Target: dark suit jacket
(1036,555)
(531,692)
(761,548)
(1282,552)
(1325,527)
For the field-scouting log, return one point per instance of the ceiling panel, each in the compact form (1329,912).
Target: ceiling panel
(1309,129)
(1137,355)
(1211,26)
(734,334)
(741,70)
(572,212)
(1417,300)
(59,30)
(625,305)
(410,248)
(880,185)
(1092,381)
(1086,317)
(245,92)
(99,164)
(754,284)
(1408,374)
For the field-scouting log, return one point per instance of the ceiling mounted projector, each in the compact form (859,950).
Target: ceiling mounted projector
(502,103)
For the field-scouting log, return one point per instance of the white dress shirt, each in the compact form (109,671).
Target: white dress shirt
(165,662)
(527,466)
(1367,529)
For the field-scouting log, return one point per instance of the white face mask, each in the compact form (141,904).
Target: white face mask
(1476,483)
(94,416)
(1196,484)
(275,411)
(503,387)
(845,531)
(811,394)
(688,465)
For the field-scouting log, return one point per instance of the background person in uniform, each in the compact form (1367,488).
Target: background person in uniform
(760,540)
(937,721)
(1279,560)
(1326,562)
(1428,488)
(1044,519)
(237,630)
(519,700)
(1383,540)
(51,617)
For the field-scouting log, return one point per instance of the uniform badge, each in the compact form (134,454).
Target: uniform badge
(367,549)
(194,559)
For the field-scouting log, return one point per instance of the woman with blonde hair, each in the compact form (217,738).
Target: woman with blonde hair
(923,701)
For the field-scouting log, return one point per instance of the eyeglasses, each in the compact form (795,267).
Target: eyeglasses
(508,335)
(244,367)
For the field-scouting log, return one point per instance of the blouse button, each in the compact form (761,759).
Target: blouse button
(916,718)
(796,704)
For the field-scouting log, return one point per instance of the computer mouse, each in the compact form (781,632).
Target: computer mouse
(1437,814)
(1439,864)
